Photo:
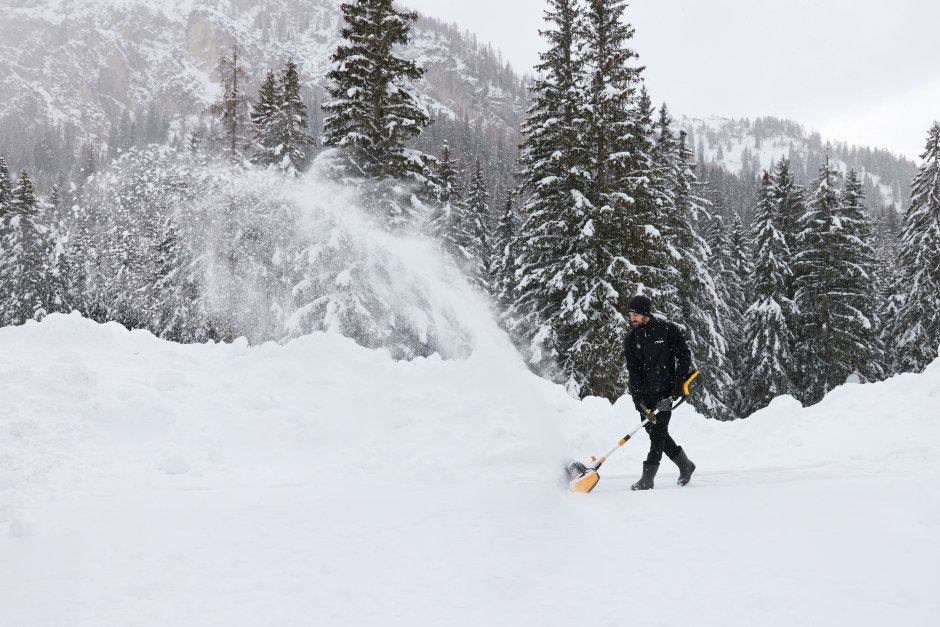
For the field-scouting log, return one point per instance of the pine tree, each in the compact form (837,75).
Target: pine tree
(716,236)
(913,334)
(886,235)
(856,325)
(448,174)
(588,240)
(612,87)
(262,121)
(59,227)
(736,277)
(6,213)
(619,136)
(176,300)
(888,275)
(618,249)
(817,282)
(741,265)
(695,305)
(835,285)
(791,205)
(291,138)
(6,188)
(57,201)
(450,223)
(233,109)
(767,336)
(505,253)
(27,269)
(478,217)
(374,112)
(553,305)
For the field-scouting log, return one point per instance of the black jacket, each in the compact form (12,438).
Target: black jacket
(658,360)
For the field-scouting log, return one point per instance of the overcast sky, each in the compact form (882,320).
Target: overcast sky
(863,71)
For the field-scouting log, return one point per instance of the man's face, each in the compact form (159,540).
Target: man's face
(638,320)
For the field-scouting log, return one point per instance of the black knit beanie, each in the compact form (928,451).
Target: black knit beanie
(641,305)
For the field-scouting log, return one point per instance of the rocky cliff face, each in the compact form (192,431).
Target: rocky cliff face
(82,64)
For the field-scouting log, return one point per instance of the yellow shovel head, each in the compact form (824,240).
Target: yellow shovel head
(586,482)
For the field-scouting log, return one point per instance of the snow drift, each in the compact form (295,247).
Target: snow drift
(319,482)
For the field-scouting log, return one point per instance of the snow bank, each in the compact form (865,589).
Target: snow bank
(318,482)
(86,403)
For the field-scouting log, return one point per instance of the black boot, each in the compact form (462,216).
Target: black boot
(686,467)
(646,481)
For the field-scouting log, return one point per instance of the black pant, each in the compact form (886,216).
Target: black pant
(660,440)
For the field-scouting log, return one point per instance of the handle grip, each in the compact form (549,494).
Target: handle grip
(689,381)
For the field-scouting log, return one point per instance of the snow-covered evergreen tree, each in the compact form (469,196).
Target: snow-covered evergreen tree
(913,334)
(290,134)
(552,309)
(374,112)
(768,339)
(118,274)
(620,250)
(232,110)
(589,239)
(176,298)
(243,273)
(262,120)
(504,255)
(791,205)
(58,223)
(695,304)
(619,137)
(817,284)
(56,206)
(186,250)
(887,236)
(449,222)
(28,269)
(448,176)
(856,324)
(838,333)
(372,116)
(886,231)
(481,253)
(716,236)
(6,188)
(344,280)
(737,275)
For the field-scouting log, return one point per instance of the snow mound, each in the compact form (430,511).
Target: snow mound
(319,482)
(85,403)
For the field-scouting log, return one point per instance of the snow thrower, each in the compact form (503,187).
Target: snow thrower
(584,477)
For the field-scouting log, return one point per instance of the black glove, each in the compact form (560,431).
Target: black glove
(677,391)
(664,405)
(638,404)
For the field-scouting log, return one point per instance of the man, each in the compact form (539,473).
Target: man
(659,361)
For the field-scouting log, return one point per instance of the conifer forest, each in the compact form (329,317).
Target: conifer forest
(559,194)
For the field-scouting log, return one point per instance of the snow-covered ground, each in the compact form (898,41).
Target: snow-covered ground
(320,483)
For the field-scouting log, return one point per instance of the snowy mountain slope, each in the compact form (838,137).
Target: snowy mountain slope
(148,483)
(71,70)
(85,62)
(749,146)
